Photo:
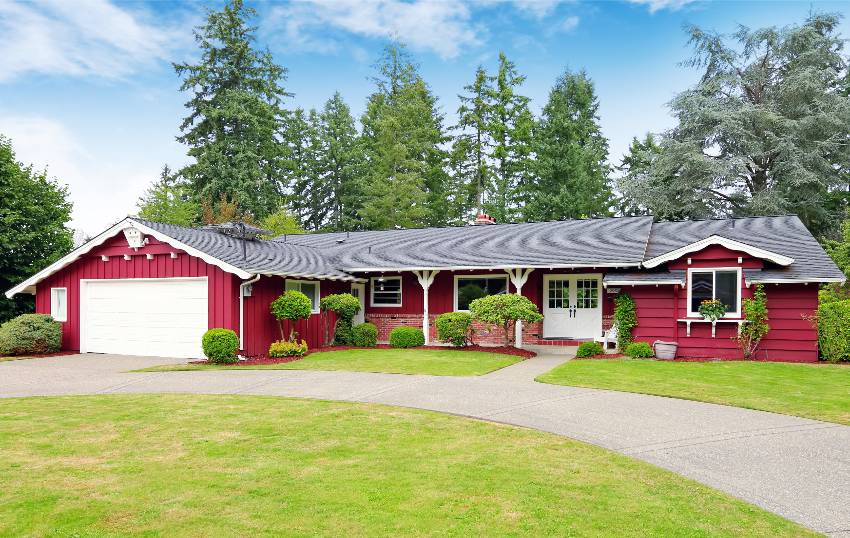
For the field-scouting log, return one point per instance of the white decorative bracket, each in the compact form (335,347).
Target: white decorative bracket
(425,278)
(519,277)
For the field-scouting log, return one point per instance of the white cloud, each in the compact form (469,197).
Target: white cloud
(101,190)
(658,5)
(80,38)
(537,8)
(441,27)
(570,23)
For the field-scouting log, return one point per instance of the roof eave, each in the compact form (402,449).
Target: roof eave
(731,244)
(487,267)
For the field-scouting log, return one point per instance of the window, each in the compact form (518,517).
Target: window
(721,284)
(59,304)
(469,288)
(308,288)
(587,293)
(386,291)
(559,293)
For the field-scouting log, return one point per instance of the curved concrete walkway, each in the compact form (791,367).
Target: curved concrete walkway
(795,467)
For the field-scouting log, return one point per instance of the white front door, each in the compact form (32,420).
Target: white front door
(572,306)
(359,290)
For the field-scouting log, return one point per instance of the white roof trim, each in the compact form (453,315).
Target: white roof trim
(486,267)
(731,244)
(641,282)
(28,285)
(803,280)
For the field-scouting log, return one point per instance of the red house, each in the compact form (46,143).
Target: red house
(147,288)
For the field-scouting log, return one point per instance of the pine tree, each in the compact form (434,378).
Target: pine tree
(341,163)
(406,182)
(300,165)
(169,200)
(571,169)
(473,144)
(511,128)
(235,115)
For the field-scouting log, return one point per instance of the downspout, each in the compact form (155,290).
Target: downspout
(242,287)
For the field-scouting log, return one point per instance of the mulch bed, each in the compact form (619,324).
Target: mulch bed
(262,359)
(39,355)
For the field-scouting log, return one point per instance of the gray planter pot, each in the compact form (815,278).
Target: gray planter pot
(665,350)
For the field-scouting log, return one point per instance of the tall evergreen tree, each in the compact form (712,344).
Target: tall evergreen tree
(571,167)
(300,164)
(169,200)
(406,182)
(471,151)
(764,131)
(235,114)
(341,163)
(511,127)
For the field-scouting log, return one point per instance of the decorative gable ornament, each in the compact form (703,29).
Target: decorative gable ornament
(135,238)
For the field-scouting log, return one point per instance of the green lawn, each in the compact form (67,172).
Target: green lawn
(390,361)
(177,465)
(816,391)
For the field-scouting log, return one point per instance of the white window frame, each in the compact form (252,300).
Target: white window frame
(375,279)
(713,271)
(318,296)
(58,316)
(488,276)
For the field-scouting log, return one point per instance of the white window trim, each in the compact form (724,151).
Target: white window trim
(487,275)
(64,316)
(318,297)
(385,305)
(713,271)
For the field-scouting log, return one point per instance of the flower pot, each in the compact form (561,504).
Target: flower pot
(665,350)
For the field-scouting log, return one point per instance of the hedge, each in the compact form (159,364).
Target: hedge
(589,349)
(639,350)
(30,333)
(220,346)
(454,327)
(834,331)
(407,337)
(364,335)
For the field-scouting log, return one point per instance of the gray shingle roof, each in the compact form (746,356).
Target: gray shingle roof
(592,242)
(785,235)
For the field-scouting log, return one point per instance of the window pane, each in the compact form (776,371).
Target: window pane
(587,293)
(471,288)
(309,289)
(58,308)
(559,293)
(702,289)
(726,289)
(386,291)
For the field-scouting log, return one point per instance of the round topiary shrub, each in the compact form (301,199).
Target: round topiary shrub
(639,350)
(345,306)
(589,349)
(454,327)
(30,333)
(292,306)
(407,337)
(364,335)
(220,346)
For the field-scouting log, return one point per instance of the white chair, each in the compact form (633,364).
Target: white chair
(608,337)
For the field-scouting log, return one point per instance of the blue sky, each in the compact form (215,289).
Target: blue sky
(87,89)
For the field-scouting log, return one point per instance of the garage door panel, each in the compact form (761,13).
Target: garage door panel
(156,317)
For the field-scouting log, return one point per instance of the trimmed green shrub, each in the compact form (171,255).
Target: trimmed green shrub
(834,331)
(220,346)
(287,349)
(30,333)
(639,350)
(292,306)
(504,310)
(364,335)
(454,327)
(625,318)
(407,337)
(755,312)
(345,306)
(589,349)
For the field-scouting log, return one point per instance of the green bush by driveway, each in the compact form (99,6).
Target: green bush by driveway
(176,465)
(30,334)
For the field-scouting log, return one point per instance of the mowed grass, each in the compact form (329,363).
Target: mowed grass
(818,391)
(391,361)
(176,465)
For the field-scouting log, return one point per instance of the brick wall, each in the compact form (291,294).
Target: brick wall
(483,335)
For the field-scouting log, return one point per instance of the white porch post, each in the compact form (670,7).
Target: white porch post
(426,278)
(518,278)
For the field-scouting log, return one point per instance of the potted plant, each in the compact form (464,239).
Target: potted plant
(712,309)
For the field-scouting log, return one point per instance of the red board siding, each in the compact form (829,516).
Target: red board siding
(223,287)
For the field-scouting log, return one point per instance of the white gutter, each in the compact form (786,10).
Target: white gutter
(488,267)
(242,287)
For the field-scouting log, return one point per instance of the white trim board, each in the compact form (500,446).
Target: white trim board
(731,244)
(28,285)
(713,270)
(372,291)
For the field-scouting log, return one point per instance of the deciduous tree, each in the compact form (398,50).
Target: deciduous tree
(170,200)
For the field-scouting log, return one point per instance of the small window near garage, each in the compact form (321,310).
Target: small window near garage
(723,285)
(469,288)
(59,304)
(386,291)
(307,287)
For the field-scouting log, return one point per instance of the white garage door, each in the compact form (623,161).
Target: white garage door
(152,317)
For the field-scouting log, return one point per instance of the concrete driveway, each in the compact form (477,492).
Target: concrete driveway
(795,467)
